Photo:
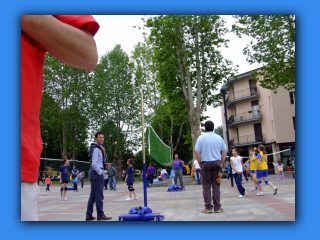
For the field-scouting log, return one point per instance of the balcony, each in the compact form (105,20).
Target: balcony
(247,140)
(245,117)
(242,95)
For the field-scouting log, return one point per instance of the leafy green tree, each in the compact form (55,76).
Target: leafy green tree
(115,97)
(273,46)
(218,130)
(65,106)
(188,61)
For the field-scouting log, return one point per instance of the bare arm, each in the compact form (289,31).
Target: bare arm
(198,157)
(223,156)
(258,163)
(68,44)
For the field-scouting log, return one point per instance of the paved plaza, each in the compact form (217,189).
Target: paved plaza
(176,206)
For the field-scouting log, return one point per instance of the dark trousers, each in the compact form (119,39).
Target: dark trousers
(238,179)
(106,183)
(82,180)
(48,187)
(178,173)
(75,187)
(96,193)
(209,173)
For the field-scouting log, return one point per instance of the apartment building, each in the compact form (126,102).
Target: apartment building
(259,116)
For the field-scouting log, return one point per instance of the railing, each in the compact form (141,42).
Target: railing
(245,116)
(247,139)
(242,94)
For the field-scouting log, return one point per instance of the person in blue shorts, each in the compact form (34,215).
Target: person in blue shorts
(64,179)
(262,171)
(130,180)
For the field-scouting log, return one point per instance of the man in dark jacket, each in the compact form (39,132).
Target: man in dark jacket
(112,177)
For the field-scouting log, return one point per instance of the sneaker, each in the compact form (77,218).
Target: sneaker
(61,199)
(111,188)
(104,217)
(207,211)
(242,196)
(114,189)
(245,193)
(65,199)
(135,198)
(275,190)
(90,218)
(255,190)
(260,194)
(129,199)
(220,210)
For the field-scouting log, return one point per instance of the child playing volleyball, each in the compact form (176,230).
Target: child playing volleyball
(253,162)
(279,166)
(262,171)
(236,165)
(130,180)
(65,171)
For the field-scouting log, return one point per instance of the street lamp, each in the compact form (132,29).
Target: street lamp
(111,137)
(223,90)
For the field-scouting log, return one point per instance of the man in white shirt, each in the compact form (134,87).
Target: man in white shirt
(198,170)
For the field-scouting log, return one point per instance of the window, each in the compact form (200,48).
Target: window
(292,97)
(294,123)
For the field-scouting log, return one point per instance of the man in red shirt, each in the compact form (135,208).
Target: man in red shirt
(69,38)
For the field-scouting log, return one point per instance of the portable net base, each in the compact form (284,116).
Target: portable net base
(142,213)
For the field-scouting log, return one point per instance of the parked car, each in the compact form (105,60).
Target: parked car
(55,178)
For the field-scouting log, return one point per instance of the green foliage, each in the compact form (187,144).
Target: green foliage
(218,130)
(274,47)
(115,99)
(189,64)
(63,111)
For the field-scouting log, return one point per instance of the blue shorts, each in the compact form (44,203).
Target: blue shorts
(262,173)
(65,181)
(252,171)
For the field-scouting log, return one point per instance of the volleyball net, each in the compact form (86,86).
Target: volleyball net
(158,150)
(52,165)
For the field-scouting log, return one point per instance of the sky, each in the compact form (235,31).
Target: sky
(118,29)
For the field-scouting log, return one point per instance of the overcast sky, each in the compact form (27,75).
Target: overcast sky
(118,29)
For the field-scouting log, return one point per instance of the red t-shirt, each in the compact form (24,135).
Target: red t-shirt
(32,60)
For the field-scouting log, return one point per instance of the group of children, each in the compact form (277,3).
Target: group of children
(258,170)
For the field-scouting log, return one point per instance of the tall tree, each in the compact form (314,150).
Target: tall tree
(273,46)
(115,97)
(218,130)
(189,63)
(65,87)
